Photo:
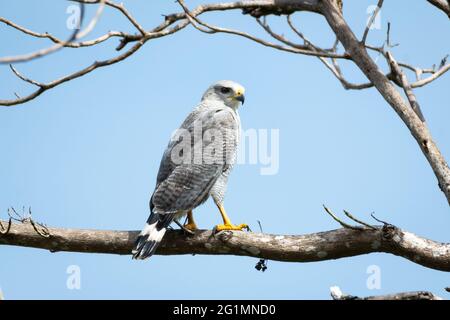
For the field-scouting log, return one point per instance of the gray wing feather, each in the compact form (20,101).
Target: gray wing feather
(182,186)
(185,188)
(167,165)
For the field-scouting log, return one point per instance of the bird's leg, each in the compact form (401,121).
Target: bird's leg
(227,225)
(190,223)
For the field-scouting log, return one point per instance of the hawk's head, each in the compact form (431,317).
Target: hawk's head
(229,92)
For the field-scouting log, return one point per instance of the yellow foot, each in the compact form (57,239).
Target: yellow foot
(229,226)
(191,226)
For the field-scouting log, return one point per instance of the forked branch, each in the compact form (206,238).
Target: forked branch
(256,9)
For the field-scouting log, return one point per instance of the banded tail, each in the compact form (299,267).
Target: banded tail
(148,240)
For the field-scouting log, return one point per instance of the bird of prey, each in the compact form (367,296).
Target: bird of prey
(195,165)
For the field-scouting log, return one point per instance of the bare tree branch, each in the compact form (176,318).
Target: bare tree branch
(337,294)
(54,48)
(417,128)
(254,8)
(66,44)
(335,244)
(331,10)
(93,21)
(251,7)
(406,86)
(443,5)
(435,74)
(371,20)
(46,86)
(320,246)
(198,24)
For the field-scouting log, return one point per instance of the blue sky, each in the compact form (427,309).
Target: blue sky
(86,154)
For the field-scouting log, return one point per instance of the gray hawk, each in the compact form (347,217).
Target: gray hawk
(195,165)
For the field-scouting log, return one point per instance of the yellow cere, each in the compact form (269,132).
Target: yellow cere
(240,91)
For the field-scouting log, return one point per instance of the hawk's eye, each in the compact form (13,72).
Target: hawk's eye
(225,90)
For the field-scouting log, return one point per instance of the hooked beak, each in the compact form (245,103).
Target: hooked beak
(241,98)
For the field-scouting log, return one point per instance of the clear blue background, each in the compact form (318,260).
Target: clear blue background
(86,154)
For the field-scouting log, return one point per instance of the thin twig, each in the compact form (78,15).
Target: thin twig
(54,83)
(280,37)
(371,21)
(342,223)
(380,221)
(184,228)
(46,51)
(22,77)
(64,43)
(435,74)
(187,17)
(44,232)
(6,230)
(430,79)
(349,215)
(214,29)
(406,86)
(17,217)
(91,25)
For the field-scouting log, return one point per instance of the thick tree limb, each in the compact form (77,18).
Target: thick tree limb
(443,5)
(362,59)
(334,244)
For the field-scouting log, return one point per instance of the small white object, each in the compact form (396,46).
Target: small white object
(336,292)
